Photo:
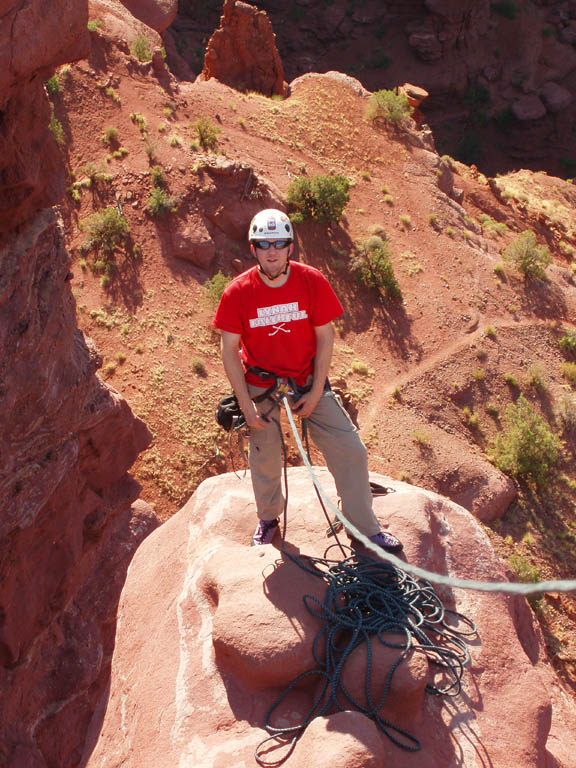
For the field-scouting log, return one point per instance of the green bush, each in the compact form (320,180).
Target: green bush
(567,343)
(110,135)
(160,203)
(140,49)
(526,573)
(157,176)
(506,8)
(373,267)
(53,86)
(215,286)
(390,106)
(527,256)
(322,198)
(107,230)
(56,128)
(527,447)
(207,133)
(94,25)
(95,176)
(569,372)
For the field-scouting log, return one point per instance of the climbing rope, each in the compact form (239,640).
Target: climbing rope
(505,587)
(366,602)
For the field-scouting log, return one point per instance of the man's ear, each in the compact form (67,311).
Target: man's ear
(252,251)
(291,250)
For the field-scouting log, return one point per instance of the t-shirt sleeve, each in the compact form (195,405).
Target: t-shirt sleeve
(327,306)
(228,316)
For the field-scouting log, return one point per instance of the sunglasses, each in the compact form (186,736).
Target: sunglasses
(264,245)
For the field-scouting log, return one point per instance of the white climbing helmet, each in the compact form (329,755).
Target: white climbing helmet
(270,224)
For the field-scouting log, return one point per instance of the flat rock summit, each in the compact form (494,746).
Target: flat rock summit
(211,631)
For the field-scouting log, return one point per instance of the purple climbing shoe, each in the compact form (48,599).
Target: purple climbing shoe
(387,542)
(265,532)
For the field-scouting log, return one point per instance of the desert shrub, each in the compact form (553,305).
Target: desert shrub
(198,366)
(390,106)
(95,176)
(56,128)
(139,120)
(510,379)
(566,414)
(421,437)
(157,176)
(94,25)
(53,86)
(140,49)
(207,133)
(107,230)
(526,573)
(373,267)
(527,256)
(361,368)
(476,95)
(537,378)
(491,225)
(150,150)
(569,372)
(505,8)
(322,198)
(215,286)
(160,202)
(567,343)
(527,447)
(504,118)
(110,135)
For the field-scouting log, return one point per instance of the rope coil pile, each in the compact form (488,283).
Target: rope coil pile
(367,600)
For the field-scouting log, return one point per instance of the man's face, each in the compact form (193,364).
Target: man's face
(272,260)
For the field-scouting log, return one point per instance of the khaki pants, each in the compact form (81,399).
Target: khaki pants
(346,457)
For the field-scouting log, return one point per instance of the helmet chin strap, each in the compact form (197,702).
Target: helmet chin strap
(284,271)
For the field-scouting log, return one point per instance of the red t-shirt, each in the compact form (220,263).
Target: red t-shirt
(276,325)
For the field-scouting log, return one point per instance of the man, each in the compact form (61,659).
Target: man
(276,318)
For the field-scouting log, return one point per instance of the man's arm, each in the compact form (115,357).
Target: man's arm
(322,359)
(233,367)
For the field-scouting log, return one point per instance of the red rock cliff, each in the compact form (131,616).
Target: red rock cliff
(68,521)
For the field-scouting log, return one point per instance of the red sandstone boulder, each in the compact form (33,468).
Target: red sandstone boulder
(211,631)
(157,14)
(242,52)
(119,25)
(555,97)
(192,242)
(33,40)
(528,107)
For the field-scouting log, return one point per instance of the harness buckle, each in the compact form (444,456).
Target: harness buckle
(284,387)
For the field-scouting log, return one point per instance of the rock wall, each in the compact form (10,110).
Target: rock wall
(69,522)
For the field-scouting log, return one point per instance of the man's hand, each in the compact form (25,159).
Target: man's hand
(253,418)
(306,404)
